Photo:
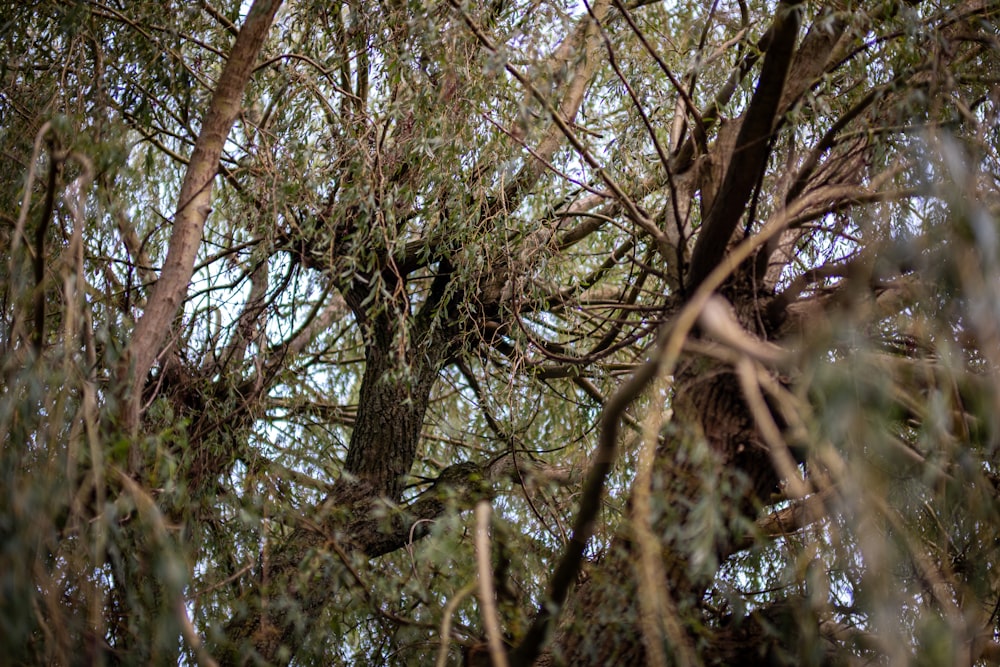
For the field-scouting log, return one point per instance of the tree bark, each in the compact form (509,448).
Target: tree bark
(193,207)
(717,447)
(751,150)
(394,394)
(304,567)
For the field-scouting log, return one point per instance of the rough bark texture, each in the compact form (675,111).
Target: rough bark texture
(394,393)
(602,624)
(401,368)
(445,259)
(360,513)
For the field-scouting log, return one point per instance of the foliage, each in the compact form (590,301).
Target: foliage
(699,299)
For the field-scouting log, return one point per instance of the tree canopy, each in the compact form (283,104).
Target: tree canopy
(521,332)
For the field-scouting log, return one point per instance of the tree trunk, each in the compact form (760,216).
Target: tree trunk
(395,391)
(299,571)
(709,479)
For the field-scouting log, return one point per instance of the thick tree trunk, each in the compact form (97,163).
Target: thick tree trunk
(708,482)
(394,394)
(301,571)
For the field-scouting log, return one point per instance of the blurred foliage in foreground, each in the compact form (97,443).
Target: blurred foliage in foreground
(697,303)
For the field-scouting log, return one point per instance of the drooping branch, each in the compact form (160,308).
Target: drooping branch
(562,123)
(712,403)
(583,528)
(773,635)
(351,520)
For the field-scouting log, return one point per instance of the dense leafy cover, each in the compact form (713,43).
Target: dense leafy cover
(694,303)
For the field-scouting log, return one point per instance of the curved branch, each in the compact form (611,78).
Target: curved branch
(590,503)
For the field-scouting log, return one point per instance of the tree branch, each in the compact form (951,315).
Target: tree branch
(751,150)
(590,503)
(194,205)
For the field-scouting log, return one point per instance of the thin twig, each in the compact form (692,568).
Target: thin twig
(445,633)
(777,448)
(22,217)
(487,596)
(657,609)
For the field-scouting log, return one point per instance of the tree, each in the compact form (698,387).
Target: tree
(693,304)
